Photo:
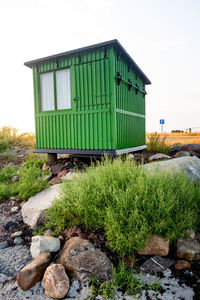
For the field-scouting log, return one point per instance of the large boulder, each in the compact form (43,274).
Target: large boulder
(188,248)
(42,244)
(190,165)
(82,259)
(56,281)
(35,206)
(33,272)
(193,149)
(156,245)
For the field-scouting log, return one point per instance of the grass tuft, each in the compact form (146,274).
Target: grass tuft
(157,144)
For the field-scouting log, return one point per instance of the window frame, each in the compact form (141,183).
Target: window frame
(54,90)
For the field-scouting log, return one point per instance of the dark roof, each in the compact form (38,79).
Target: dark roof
(78,51)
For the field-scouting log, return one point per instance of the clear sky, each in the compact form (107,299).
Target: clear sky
(162,36)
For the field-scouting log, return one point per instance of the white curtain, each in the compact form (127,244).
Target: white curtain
(63,92)
(47,91)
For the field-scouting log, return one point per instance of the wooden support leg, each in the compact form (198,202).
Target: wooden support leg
(51,157)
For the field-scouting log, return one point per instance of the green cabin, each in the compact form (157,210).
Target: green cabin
(89,101)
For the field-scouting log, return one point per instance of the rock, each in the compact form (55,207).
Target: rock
(33,208)
(42,244)
(18,240)
(192,149)
(156,264)
(22,203)
(190,233)
(55,180)
(33,272)
(82,259)
(159,156)
(56,281)
(12,198)
(188,249)
(131,156)
(1,229)
(15,178)
(11,225)
(129,260)
(182,264)
(14,209)
(181,154)
(71,175)
(16,234)
(4,245)
(174,149)
(74,288)
(62,173)
(190,165)
(156,246)
(56,168)
(45,166)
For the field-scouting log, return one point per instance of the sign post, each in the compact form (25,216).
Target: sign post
(162,122)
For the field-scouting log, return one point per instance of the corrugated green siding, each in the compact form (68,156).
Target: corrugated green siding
(89,124)
(129,108)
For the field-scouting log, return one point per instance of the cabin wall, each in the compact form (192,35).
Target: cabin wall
(89,124)
(129,107)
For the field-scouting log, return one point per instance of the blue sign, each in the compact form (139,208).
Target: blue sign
(162,121)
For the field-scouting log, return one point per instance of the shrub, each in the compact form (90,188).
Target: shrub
(31,180)
(157,144)
(9,137)
(129,203)
(7,173)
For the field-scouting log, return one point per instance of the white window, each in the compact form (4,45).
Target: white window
(47,91)
(63,92)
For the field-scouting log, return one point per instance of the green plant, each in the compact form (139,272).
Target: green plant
(40,230)
(129,203)
(7,173)
(124,279)
(157,144)
(31,179)
(6,185)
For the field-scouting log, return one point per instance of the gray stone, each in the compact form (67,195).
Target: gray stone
(74,287)
(172,290)
(15,178)
(190,165)
(156,264)
(16,234)
(14,209)
(4,245)
(182,154)
(159,156)
(188,249)
(18,240)
(42,244)
(174,149)
(13,259)
(33,208)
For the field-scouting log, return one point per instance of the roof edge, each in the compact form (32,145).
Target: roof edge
(77,51)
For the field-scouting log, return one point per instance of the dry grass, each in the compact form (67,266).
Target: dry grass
(176,138)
